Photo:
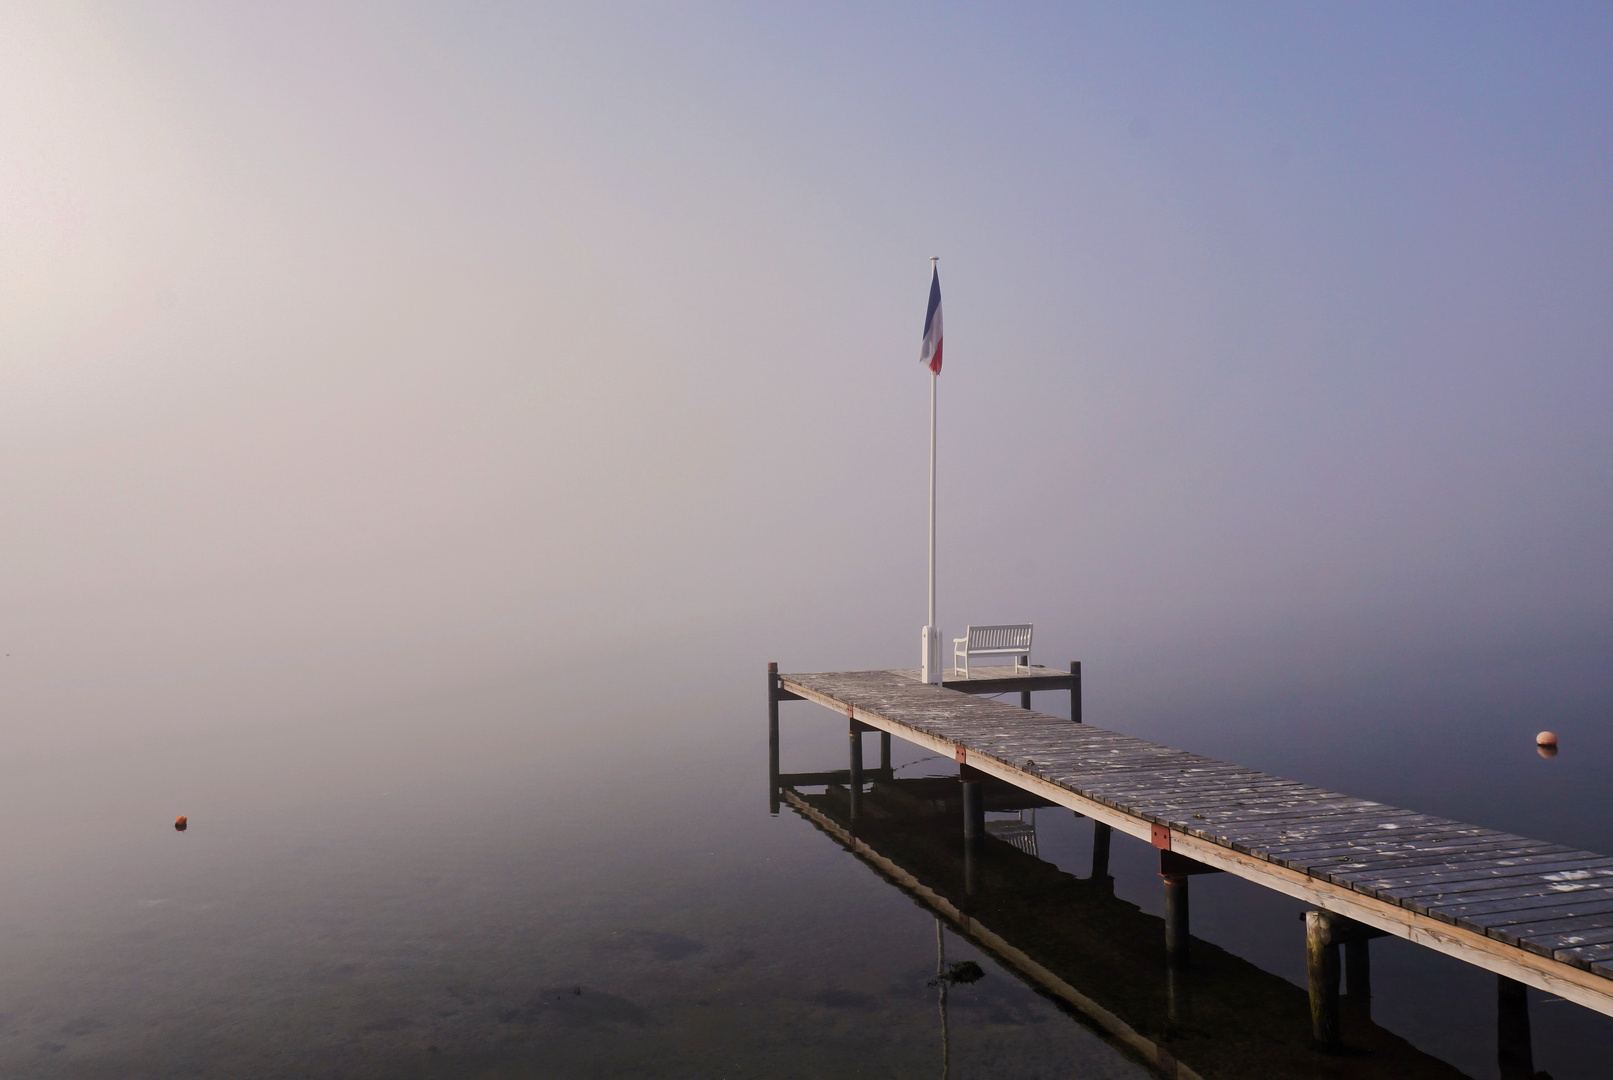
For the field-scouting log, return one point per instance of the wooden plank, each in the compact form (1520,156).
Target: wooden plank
(1549,937)
(1327,837)
(1423,857)
(1365,845)
(1335,850)
(1415,856)
(1498,912)
(1499,925)
(1379,877)
(1596,932)
(1384,830)
(1499,859)
(1589,954)
(1367,874)
(1532,895)
(1496,886)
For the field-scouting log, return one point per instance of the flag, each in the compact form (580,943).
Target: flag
(931,352)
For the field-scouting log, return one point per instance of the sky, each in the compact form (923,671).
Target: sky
(355,353)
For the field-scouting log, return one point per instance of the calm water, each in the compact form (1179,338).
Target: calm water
(536,883)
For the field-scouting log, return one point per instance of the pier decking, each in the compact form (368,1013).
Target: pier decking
(1536,912)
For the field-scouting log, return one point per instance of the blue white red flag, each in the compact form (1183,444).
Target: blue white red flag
(931,352)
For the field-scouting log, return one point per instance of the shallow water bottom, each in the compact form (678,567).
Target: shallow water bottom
(494,897)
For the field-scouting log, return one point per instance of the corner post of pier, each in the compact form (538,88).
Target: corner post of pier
(885,753)
(1514,1048)
(971,784)
(772,738)
(855,732)
(1176,921)
(971,780)
(1322,972)
(1075,691)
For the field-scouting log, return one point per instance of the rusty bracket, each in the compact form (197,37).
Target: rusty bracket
(1161,837)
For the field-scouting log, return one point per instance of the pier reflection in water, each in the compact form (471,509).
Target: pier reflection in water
(1101,957)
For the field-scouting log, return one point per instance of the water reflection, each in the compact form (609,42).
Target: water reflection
(1073,940)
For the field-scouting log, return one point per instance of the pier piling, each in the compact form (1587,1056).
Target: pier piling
(974,810)
(1177,953)
(1358,977)
(1322,971)
(855,735)
(1101,835)
(772,738)
(1514,1048)
(1325,933)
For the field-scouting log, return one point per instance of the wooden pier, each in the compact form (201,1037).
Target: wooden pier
(1538,913)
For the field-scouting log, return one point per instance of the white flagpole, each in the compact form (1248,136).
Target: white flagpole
(933,380)
(931,667)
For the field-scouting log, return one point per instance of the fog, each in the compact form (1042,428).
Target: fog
(355,358)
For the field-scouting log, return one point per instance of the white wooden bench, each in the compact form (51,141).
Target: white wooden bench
(1013,639)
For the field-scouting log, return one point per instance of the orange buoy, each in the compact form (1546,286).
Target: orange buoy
(180,822)
(1545,738)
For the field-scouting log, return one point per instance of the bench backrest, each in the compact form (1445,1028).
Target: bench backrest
(1007,637)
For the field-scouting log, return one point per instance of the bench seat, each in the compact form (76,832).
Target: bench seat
(1003,639)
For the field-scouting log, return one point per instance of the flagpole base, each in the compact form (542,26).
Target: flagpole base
(930,656)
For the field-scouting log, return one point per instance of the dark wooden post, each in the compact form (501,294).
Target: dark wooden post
(1101,835)
(885,751)
(1176,921)
(970,780)
(1358,976)
(1322,971)
(974,811)
(1178,996)
(772,738)
(1514,1048)
(1325,934)
(1075,691)
(971,866)
(856,787)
